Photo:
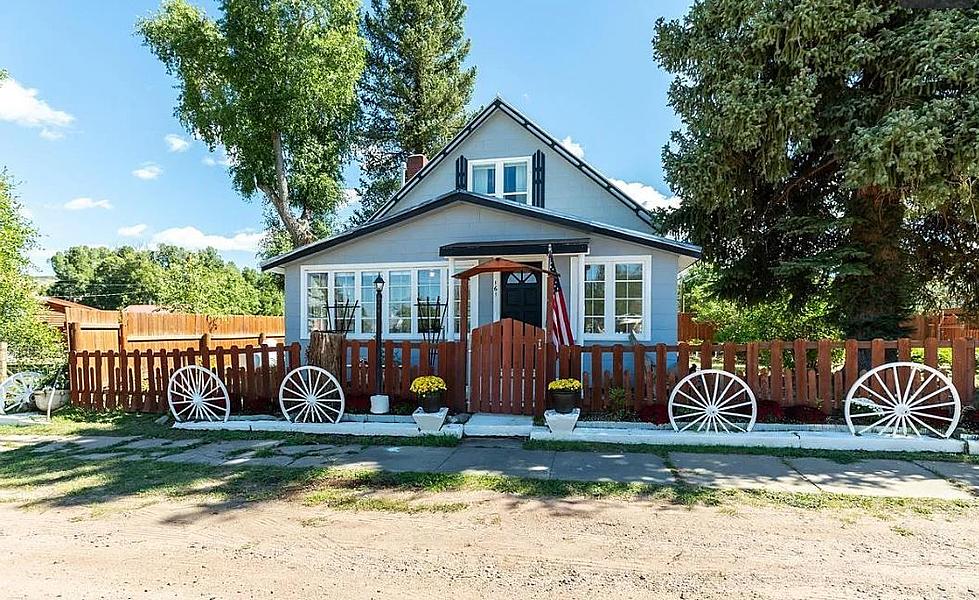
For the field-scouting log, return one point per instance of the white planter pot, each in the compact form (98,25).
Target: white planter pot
(429,422)
(57,399)
(380,404)
(561,422)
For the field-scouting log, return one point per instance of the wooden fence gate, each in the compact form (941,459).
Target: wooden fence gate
(508,368)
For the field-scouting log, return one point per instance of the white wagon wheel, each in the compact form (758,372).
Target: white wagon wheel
(903,397)
(197,394)
(311,395)
(712,399)
(17,391)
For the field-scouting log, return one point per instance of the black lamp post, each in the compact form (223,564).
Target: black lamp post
(379,291)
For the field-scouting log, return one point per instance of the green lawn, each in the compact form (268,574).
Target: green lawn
(58,479)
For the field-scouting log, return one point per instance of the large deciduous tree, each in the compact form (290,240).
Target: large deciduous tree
(414,91)
(827,145)
(20,324)
(274,83)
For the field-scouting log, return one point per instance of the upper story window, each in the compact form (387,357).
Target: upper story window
(501,177)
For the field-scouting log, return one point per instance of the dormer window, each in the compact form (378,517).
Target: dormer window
(504,178)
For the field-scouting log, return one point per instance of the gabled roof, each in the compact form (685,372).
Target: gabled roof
(499,104)
(629,235)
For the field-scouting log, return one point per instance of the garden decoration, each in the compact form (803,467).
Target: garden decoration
(17,391)
(197,394)
(566,393)
(431,324)
(904,398)
(711,399)
(311,395)
(429,390)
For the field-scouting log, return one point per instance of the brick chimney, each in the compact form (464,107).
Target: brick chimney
(416,162)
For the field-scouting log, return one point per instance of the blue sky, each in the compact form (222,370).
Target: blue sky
(84,124)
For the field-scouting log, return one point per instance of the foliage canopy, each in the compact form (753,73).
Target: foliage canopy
(171,277)
(273,82)
(414,91)
(828,144)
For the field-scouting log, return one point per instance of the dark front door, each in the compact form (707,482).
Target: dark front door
(521,298)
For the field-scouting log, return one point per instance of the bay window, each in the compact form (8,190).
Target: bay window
(317,288)
(504,178)
(615,298)
(327,287)
(399,301)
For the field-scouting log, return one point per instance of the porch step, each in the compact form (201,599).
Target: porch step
(492,425)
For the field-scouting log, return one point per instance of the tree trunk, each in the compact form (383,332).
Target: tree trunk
(299,229)
(874,288)
(325,351)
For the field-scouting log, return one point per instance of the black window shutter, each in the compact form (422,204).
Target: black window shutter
(462,173)
(538,179)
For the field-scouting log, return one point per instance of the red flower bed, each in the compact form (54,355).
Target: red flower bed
(804,414)
(654,413)
(769,411)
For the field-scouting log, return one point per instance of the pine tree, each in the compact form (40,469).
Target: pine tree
(826,144)
(414,91)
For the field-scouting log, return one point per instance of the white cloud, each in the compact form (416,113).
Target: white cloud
(195,239)
(21,105)
(350,205)
(51,134)
(86,203)
(176,143)
(573,147)
(132,230)
(646,195)
(220,157)
(148,170)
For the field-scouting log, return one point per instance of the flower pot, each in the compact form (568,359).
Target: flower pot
(57,399)
(564,400)
(431,401)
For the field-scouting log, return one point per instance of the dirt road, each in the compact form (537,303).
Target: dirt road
(499,547)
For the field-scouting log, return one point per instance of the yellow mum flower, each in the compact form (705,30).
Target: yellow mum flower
(427,384)
(565,385)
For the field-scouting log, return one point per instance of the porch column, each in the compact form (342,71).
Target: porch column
(463,311)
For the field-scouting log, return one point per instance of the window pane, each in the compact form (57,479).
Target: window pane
(429,290)
(484,179)
(457,301)
(399,301)
(522,198)
(514,177)
(343,297)
(316,301)
(595,299)
(368,308)
(628,298)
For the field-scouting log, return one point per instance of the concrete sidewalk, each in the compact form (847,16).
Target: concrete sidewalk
(894,478)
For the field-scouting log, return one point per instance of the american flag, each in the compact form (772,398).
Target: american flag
(558,322)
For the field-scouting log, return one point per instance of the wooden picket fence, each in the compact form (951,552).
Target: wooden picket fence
(137,381)
(404,361)
(801,372)
(813,373)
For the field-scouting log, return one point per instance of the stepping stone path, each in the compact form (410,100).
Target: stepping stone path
(895,478)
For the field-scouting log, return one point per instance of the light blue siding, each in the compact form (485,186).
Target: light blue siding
(418,241)
(568,190)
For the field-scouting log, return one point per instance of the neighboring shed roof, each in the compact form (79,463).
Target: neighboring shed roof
(629,235)
(499,104)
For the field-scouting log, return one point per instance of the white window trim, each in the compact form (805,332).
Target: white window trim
(384,269)
(498,163)
(450,316)
(610,262)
